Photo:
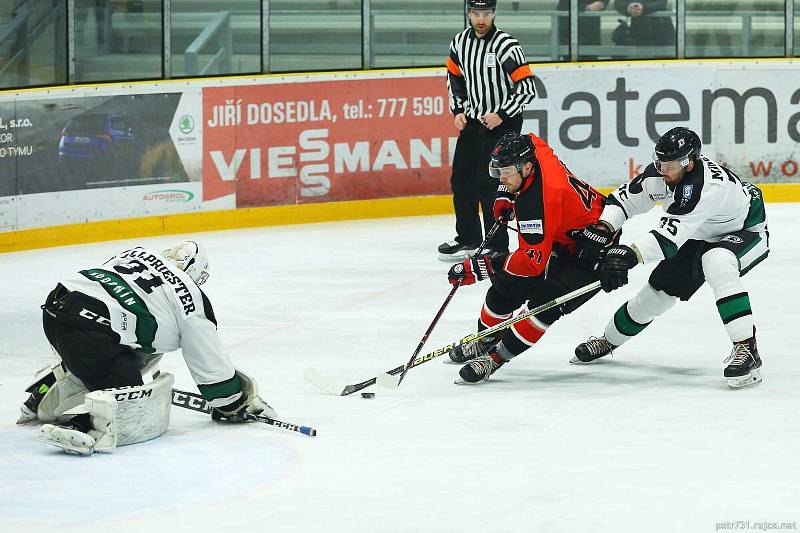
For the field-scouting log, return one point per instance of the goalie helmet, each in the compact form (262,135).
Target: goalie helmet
(191,258)
(511,149)
(678,144)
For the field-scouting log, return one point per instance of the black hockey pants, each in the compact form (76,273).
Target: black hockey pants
(78,327)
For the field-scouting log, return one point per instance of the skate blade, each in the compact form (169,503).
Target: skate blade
(69,448)
(460,381)
(753,378)
(454,258)
(576,361)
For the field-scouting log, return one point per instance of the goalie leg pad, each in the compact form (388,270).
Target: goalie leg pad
(143,411)
(66,393)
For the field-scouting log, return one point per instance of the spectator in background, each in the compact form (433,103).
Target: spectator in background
(588,27)
(644,28)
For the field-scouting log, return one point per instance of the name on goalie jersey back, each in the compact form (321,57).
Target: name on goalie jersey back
(181,290)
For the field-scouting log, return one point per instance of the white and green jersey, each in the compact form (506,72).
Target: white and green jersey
(708,203)
(156,308)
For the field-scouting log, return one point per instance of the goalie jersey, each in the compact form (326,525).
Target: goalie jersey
(708,203)
(154,308)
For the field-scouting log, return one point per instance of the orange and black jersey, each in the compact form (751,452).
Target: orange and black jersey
(548,208)
(488,75)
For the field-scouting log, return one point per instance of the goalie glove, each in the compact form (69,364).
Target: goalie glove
(503,207)
(471,270)
(247,405)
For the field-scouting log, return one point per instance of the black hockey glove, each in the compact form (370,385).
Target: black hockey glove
(614,268)
(471,270)
(590,243)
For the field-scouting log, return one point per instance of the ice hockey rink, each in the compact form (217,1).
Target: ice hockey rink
(649,440)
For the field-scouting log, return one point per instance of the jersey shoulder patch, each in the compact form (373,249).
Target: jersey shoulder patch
(688,192)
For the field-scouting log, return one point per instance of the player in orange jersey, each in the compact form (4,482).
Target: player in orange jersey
(559,241)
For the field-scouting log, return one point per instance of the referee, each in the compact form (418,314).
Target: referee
(489,83)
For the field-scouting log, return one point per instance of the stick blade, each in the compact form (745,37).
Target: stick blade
(388,381)
(313,376)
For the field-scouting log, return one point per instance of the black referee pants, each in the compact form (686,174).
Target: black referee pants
(472,185)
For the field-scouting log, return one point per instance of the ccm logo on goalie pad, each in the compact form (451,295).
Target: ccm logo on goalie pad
(531,226)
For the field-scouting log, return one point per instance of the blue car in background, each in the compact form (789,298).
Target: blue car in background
(103,137)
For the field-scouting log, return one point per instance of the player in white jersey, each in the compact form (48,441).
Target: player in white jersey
(109,325)
(714,229)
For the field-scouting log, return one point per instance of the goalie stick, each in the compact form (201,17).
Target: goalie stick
(195,402)
(388,379)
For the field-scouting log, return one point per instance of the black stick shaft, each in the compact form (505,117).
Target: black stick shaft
(439,314)
(472,337)
(195,402)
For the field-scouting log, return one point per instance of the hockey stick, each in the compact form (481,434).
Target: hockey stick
(195,402)
(435,321)
(388,380)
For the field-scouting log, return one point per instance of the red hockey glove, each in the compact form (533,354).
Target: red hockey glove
(503,207)
(471,270)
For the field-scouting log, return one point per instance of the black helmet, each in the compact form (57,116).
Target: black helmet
(678,144)
(511,149)
(481,4)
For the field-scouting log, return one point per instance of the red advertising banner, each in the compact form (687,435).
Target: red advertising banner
(324,141)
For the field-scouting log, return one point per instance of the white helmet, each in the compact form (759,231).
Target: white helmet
(191,258)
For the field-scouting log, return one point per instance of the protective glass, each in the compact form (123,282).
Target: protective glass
(481,13)
(510,170)
(670,166)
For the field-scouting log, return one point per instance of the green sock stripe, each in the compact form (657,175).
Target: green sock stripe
(222,389)
(625,324)
(732,307)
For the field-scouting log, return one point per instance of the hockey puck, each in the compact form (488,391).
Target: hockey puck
(367,395)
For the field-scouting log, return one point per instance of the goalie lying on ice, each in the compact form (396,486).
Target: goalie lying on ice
(109,327)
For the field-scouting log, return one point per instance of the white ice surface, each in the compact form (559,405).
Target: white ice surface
(649,440)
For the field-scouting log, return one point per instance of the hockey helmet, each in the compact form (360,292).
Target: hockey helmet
(511,150)
(481,4)
(678,144)
(190,257)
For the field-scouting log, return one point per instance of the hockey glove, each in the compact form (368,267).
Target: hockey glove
(242,409)
(471,270)
(590,242)
(503,207)
(614,269)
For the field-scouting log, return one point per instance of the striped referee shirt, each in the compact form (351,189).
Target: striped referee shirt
(488,75)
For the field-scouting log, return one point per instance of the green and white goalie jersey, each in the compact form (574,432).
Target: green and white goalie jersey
(156,308)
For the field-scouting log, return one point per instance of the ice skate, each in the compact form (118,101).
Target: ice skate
(456,251)
(744,364)
(594,348)
(479,369)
